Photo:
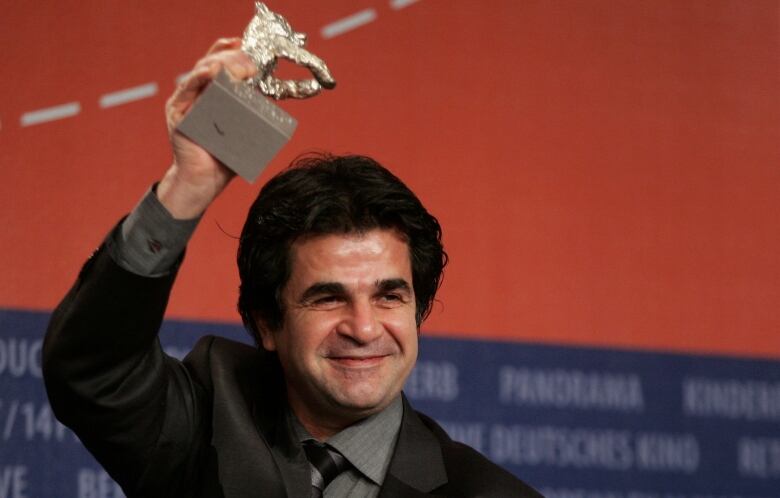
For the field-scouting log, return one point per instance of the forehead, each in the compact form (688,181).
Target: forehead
(350,258)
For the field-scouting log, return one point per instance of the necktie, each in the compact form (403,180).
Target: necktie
(325,462)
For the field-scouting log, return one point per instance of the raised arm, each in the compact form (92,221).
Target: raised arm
(195,178)
(138,411)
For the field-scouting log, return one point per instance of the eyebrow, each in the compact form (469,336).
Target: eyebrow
(321,288)
(337,288)
(393,284)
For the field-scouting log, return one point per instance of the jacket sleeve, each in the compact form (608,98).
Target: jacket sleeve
(138,411)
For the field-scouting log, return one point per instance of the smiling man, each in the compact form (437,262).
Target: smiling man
(339,265)
(349,338)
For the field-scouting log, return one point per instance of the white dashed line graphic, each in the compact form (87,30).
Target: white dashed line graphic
(348,23)
(147,90)
(400,4)
(128,95)
(50,114)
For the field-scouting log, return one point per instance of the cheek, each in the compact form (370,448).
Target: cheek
(305,333)
(403,328)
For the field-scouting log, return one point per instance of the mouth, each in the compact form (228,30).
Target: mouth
(357,362)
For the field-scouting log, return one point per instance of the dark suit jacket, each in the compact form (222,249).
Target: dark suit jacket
(208,426)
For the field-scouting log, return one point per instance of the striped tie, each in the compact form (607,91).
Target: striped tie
(325,462)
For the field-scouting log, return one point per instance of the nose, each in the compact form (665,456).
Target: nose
(361,323)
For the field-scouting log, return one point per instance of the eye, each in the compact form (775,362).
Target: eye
(327,302)
(391,298)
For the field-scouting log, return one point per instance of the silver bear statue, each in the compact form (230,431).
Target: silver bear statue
(268,37)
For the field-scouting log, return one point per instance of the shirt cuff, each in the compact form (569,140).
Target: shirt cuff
(150,241)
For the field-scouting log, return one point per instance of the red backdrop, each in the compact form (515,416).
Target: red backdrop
(607,172)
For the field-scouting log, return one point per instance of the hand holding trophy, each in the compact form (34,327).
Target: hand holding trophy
(233,120)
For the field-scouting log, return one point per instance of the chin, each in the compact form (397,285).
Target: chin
(362,403)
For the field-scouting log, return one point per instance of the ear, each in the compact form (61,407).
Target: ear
(266,334)
(260,8)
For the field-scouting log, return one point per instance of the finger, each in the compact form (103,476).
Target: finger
(187,91)
(205,70)
(196,80)
(224,44)
(237,63)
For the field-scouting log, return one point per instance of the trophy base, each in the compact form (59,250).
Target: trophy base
(238,126)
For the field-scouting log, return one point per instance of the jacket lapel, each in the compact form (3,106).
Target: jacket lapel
(246,463)
(393,488)
(290,460)
(417,466)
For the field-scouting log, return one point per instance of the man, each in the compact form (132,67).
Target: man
(339,264)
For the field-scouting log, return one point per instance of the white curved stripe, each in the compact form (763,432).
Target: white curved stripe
(50,114)
(348,23)
(147,90)
(128,95)
(400,4)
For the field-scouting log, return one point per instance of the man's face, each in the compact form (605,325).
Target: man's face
(349,337)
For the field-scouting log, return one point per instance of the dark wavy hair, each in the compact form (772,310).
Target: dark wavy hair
(325,194)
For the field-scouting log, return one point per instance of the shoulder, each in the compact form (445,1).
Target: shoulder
(211,348)
(471,473)
(215,358)
(211,351)
(221,346)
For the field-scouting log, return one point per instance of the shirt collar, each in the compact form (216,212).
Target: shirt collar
(367,444)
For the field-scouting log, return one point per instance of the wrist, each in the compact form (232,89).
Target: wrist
(186,197)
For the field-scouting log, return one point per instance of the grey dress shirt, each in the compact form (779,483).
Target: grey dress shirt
(367,445)
(150,243)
